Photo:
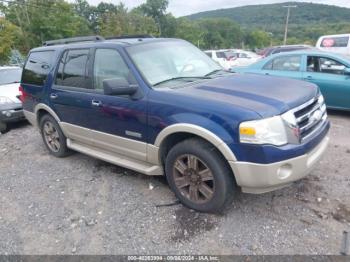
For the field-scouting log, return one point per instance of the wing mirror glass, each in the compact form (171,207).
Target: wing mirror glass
(118,86)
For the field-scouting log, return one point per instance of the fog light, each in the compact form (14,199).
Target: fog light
(284,171)
(8,114)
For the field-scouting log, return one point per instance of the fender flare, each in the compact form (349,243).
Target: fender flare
(198,131)
(48,109)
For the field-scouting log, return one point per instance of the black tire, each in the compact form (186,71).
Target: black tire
(62,150)
(221,181)
(3,127)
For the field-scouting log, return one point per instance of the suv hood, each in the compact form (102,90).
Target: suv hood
(267,96)
(10,91)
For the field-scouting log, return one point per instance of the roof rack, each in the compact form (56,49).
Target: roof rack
(73,40)
(129,37)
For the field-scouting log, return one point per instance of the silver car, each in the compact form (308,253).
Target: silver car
(10,106)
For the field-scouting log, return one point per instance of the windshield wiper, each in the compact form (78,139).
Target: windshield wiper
(180,78)
(217,71)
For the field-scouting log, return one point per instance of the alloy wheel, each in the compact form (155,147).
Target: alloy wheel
(51,136)
(193,178)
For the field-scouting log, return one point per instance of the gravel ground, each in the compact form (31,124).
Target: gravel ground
(81,205)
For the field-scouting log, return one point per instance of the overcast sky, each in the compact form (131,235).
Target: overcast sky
(186,7)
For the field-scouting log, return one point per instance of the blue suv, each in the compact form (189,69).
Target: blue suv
(160,106)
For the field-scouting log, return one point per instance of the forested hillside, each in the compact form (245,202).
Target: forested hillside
(307,22)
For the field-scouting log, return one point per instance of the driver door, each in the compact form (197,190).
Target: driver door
(329,74)
(121,120)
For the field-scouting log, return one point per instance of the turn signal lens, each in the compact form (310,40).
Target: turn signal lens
(247,131)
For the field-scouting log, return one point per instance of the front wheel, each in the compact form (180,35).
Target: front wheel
(53,137)
(3,127)
(199,176)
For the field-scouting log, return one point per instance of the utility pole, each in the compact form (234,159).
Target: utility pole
(287,21)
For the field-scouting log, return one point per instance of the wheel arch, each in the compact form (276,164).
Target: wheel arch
(179,132)
(41,109)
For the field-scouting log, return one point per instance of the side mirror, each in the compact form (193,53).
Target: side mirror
(118,86)
(347,71)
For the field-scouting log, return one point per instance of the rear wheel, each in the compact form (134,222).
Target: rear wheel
(53,137)
(199,176)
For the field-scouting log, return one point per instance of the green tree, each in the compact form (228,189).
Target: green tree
(9,35)
(257,39)
(190,31)
(157,10)
(41,20)
(122,22)
(220,33)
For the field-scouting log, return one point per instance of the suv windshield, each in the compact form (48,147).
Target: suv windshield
(167,61)
(10,76)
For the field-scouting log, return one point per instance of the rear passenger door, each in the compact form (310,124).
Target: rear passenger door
(72,94)
(121,121)
(35,77)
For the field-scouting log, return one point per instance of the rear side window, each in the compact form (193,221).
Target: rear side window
(284,63)
(208,54)
(37,68)
(335,42)
(73,71)
(220,55)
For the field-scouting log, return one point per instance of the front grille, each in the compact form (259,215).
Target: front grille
(310,117)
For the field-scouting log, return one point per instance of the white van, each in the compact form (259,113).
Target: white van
(335,43)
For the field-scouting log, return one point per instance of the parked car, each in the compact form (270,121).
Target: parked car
(331,72)
(162,106)
(282,49)
(224,58)
(244,58)
(335,43)
(10,105)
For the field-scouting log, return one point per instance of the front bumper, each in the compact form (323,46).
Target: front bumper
(11,113)
(261,178)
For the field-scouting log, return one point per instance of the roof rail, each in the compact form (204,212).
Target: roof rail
(129,37)
(73,40)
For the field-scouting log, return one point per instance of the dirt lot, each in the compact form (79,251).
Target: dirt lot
(85,206)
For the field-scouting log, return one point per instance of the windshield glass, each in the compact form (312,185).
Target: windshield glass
(171,60)
(10,76)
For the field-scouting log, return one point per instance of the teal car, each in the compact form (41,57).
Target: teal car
(331,72)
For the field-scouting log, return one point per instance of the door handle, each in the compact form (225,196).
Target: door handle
(53,96)
(267,74)
(309,77)
(96,103)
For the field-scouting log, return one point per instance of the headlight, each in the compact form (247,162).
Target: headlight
(265,131)
(5,100)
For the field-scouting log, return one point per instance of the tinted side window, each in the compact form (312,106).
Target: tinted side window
(109,65)
(37,68)
(330,66)
(208,54)
(284,63)
(220,55)
(72,70)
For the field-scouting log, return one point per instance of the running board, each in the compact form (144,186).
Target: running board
(117,159)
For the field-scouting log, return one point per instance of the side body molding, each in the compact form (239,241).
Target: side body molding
(192,129)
